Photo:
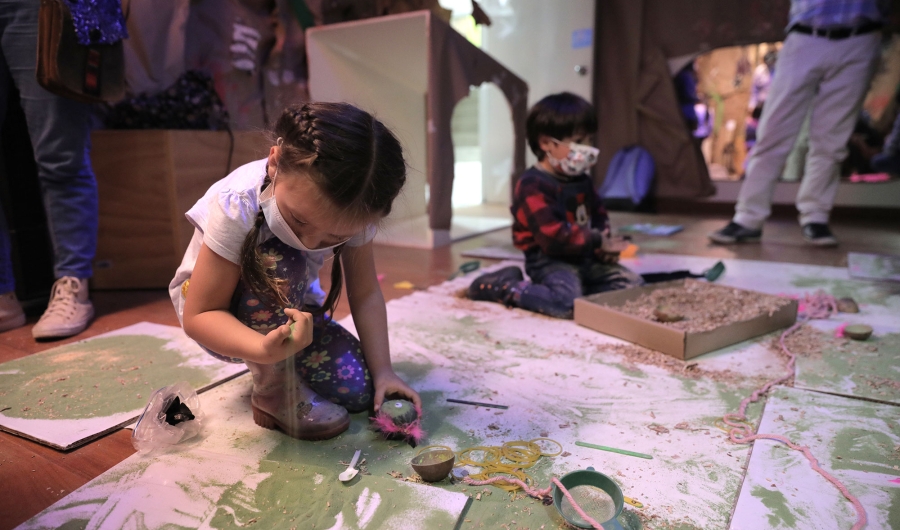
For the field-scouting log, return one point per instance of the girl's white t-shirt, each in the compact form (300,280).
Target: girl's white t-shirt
(223,218)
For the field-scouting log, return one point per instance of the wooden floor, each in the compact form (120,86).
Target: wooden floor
(32,477)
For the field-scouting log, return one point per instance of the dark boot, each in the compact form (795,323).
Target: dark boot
(282,399)
(496,286)
(888,160)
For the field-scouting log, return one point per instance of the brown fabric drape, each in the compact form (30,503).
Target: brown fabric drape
(454,65)
(633,89)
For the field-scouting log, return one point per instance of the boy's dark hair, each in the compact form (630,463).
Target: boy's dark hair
(354,161)
(559,116)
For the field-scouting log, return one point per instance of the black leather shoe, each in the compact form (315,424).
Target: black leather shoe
(819,234)
(735,233)
(495,286)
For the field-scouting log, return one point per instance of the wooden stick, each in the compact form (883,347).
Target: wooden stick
(476,403)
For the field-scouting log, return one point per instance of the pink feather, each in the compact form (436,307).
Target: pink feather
(411,431)
(839,332)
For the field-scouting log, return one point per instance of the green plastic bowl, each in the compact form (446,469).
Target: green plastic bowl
(598,495)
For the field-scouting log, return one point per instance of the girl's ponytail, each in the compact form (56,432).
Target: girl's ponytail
(256,273)
(337,282)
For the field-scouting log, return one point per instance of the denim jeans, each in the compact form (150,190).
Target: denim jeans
(555,284)
(59,130)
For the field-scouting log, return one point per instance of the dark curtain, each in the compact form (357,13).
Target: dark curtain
(633,89)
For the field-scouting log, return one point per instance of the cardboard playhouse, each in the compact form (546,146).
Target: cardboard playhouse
(599,312)
(410,70)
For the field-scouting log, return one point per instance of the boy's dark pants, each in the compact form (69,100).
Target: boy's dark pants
(555,283)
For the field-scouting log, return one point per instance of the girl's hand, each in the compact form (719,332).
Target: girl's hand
(289,338)
(389,384)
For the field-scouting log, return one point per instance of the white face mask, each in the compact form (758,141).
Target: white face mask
(277,224)
(580,159)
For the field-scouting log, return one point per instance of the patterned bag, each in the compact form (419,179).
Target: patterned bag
(190,103)
(80,54)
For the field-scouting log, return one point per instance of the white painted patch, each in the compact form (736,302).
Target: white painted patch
(233,514)
(366,506)
(338,522)
(252,481)
(318,478)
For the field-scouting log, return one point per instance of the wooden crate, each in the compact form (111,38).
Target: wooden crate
(147,180)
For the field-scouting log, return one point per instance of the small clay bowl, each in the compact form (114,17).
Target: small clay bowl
(858,331)
(666,314)
(435,465)
(847,305)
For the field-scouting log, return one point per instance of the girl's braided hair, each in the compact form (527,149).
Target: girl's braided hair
(354,161)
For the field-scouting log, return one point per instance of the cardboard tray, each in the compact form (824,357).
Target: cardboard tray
(597,312)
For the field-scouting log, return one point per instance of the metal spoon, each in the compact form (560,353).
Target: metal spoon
(351,470)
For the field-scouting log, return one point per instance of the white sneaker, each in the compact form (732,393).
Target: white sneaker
(11,313)
(68,312)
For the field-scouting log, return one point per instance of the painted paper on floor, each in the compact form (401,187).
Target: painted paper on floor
(854,440)
(69,395)
(559,381)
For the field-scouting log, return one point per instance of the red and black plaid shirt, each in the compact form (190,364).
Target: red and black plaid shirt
(556,215)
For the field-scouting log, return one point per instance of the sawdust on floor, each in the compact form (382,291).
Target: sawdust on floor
(638,355)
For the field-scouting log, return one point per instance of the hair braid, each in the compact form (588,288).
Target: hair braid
(256,273)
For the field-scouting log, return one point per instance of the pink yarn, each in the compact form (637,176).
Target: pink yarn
(817,306)
(538,493)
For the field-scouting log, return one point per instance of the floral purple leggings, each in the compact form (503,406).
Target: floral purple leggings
(333,365)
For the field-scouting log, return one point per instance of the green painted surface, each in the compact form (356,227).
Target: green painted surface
(863,450)
(862,291)
(867,369)
(854,440)
(780,512)
(97,377)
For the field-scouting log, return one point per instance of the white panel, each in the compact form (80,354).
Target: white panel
(380,65)
(541,42)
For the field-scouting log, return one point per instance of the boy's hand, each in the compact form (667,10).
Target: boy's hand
(608,258)
(608,251)
(390,384)
(613,244)
(289,338)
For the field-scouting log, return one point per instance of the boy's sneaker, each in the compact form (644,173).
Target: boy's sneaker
(735,233)
(819,234)
(11,313)
(68,312)
(495,286)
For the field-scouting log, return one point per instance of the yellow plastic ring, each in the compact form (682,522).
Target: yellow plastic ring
(548,440)
(491,452)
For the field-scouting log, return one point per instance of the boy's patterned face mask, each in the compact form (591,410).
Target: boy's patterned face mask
(580,159)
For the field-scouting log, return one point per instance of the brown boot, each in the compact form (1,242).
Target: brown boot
(282,399)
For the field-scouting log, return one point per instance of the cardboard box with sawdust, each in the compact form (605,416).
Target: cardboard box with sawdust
(685,318)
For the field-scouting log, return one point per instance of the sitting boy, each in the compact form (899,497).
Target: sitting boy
(559,221)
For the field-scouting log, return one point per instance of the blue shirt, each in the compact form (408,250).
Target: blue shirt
(837,13)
